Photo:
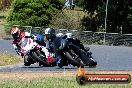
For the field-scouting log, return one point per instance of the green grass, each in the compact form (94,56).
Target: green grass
(7,59)
(50,82)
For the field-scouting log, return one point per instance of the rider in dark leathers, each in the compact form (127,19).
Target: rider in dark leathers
(53,42)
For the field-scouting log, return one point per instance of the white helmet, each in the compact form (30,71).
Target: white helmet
(15,32)
(49,31)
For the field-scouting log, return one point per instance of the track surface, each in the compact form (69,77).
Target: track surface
(108,58)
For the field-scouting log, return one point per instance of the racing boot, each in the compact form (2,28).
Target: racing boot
(28,61)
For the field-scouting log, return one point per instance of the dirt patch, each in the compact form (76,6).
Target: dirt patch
(32,75)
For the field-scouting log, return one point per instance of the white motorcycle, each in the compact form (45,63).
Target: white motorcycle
(32,51)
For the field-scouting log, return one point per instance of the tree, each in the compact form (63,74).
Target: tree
(4,4)
(33,12)
(119,17)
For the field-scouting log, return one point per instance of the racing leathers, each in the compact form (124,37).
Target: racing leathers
(17,44)
(52,45)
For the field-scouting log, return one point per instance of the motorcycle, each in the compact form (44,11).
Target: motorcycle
(69,53)
(50,60)
(87,59)
(32,50)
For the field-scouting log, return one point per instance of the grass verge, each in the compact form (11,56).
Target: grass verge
(55,82)
(7,59)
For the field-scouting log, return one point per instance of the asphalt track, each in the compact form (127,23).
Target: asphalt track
(108,58)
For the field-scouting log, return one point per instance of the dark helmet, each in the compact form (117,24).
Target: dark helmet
(49,33)
(15,32)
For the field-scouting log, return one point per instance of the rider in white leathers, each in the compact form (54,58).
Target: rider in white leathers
(18,38)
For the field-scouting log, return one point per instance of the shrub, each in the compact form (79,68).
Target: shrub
(68,19)
(33,12)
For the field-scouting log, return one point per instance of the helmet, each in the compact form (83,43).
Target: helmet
(49,33)
(15,32)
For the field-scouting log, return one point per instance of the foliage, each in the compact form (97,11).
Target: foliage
(79,3)
(68,19)
(119,18)
(4,4)
(33,12)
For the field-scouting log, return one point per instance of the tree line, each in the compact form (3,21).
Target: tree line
(119,15)
(4,4)
(41,12)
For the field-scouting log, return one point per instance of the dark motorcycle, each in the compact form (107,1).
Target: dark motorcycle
(89,61)
(69,52)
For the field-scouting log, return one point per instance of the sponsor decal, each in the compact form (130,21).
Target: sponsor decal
(83,78)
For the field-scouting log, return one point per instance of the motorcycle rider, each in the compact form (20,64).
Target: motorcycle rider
(53,39)
(52,42)
(17,35)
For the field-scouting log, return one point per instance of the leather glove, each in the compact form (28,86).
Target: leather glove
(21,54)
(16,49)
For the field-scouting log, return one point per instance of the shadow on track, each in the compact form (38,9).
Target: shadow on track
(49,67)
(31,67)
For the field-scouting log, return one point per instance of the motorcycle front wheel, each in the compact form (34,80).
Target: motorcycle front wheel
(39,58)
(74,55)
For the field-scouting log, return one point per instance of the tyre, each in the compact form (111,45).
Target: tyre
(43,58)
(27,64)
(75,55)
(29,61)
(41,65)
(92,62)
(38,58)
(60,65)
